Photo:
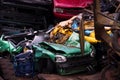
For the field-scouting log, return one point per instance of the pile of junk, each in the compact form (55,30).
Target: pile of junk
(59,50)
(68,48)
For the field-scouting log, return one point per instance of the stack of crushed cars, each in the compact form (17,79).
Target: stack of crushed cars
(61,52)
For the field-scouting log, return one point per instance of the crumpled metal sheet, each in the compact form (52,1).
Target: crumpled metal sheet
(64,29)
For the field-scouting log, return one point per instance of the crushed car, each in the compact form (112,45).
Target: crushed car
(50,57)
(66,59)
(63,52)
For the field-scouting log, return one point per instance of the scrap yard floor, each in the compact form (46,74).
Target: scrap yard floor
(96,76)
(71,77)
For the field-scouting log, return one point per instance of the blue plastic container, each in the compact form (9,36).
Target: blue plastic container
(24,65)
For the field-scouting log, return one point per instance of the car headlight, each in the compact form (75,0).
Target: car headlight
(60,58)
(59,10)
(92,54)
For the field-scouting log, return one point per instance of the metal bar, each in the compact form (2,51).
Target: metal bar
(100,32)
(81,33)
(102,15)
(108,17)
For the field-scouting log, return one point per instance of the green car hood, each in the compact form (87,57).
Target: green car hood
(69,49)
(65,49)
(50,50)
(71,46)
(6,46)
(41,52)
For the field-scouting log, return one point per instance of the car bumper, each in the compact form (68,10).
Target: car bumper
(76,65)
(63,16)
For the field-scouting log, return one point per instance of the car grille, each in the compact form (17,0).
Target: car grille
(76,64)
(74,11)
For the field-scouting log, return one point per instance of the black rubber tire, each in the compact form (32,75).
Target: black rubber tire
(7,69)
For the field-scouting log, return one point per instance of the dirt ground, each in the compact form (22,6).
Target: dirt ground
(71,77)
(96,76)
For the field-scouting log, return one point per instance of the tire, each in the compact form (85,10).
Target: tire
(7,69)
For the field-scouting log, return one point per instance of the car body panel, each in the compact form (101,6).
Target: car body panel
(75,61)
(70,7)
(72,3)
(8,46)
(41,52)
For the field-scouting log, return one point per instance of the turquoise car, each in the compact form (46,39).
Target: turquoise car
(65,59)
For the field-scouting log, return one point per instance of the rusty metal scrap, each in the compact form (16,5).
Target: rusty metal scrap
(81,33)
(101,34)
(100,21)
(60,34)
(99,24)
(63,30)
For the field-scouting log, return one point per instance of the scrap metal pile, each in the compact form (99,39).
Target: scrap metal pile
(58,51)
(83,44)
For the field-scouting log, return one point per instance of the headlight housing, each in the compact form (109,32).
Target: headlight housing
(92,54)
(60,58)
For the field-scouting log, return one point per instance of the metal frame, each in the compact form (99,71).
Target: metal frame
(100,21)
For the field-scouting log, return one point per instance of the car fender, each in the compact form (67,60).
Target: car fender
(43,53)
